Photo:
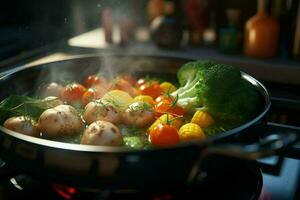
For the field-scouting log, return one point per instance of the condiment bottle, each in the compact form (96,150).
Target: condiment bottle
(261,34)
(166,31)
(195,18)
(155,8)
(230,37)
(107,25)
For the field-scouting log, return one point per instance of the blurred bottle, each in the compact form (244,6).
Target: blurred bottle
(261,34)
(194,11)
(155,8)
(296,32)
(127,29)
(209,33)
(230,37)
(107,24)
(166,31)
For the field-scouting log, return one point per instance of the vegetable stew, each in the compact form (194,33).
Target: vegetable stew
(139,112)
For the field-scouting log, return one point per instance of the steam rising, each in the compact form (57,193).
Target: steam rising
(108,65)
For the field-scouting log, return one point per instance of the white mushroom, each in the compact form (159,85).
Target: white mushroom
(60,120)
(101,110)
(53,89)
(23,125)
(102,133)
(138,114)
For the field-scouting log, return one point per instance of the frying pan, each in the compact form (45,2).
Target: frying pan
(120,167)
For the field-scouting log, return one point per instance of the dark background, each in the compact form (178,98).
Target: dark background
(30,24)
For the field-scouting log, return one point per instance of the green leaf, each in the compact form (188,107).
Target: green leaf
(17,105)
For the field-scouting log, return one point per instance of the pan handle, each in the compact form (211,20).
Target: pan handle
(271,144)
(266,146)
(292,151)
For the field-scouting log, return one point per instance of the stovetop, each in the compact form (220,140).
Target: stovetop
(235,180)
(246,180)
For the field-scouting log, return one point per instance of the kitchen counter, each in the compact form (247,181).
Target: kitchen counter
(275,70)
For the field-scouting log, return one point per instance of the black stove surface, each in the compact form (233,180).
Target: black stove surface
(236,179)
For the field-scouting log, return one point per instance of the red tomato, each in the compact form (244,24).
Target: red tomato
(73,92)
(92,94)
(166,106)
(152,89)
(128,78)
(140,82)
(94,80)
(122,84)
(164,135)
(162,98)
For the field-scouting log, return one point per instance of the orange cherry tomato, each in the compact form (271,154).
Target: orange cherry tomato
(92,94)
(122,84)
(140,82)
(152,89)
(164,135)
(163,97)
(166,106)
(73,92)
(94,80)
(128,78)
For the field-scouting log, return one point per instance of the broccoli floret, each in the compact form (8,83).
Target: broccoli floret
(218,89)
(190,77)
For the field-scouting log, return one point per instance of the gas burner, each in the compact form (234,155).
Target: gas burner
(235,179)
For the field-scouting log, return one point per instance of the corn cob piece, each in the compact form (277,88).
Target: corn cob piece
(203,119)
(190,131)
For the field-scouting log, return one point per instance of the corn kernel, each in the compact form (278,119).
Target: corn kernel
(203,119)
(190,131)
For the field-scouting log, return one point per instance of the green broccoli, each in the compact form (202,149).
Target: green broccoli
(219,90)
(190,76)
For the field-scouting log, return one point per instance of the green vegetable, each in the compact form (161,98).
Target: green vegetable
(133,142)
(219,90)
(16,105)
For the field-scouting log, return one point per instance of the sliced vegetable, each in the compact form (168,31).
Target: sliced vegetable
(190,131)
(144,98)
(203,119)
(164,135)
(118,98)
